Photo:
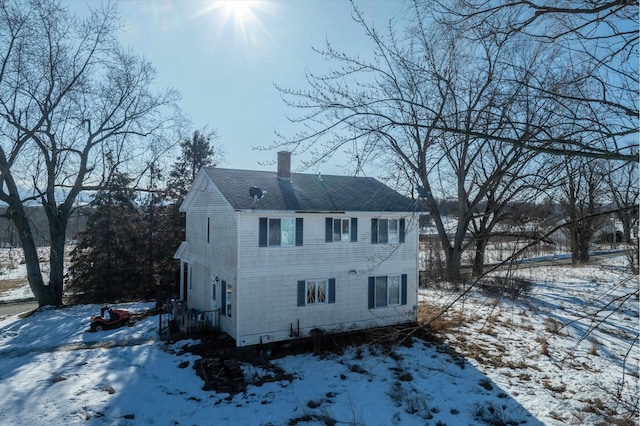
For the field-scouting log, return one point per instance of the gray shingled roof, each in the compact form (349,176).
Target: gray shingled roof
(306,192)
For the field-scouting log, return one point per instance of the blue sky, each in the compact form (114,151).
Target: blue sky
(225,56)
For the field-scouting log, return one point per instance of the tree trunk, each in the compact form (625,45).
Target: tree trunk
(56,260)
(583,250)
(42,292)
(478,261)
(454,260)
(580,240)
(627,219)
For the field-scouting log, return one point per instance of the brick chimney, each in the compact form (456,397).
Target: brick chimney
(284,164)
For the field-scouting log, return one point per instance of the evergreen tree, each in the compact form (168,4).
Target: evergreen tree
(162,232)
(167,230)
(104,267)
(197,152)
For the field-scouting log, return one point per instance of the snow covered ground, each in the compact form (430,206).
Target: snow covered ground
(526,363)
(13,273)
(52,373)
(567,350)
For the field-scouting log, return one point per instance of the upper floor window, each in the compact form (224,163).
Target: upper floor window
(341,229)
(280,232)
(387,231)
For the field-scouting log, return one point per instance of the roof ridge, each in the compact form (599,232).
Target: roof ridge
(305,191)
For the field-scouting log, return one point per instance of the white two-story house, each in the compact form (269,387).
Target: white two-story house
(277,254)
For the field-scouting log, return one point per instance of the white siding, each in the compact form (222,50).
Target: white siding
(218,257)
(268,276)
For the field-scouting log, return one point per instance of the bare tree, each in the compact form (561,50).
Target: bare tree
(583,194)
(622,182)
(69,97)
(522,182)
(437,105)
(599,44)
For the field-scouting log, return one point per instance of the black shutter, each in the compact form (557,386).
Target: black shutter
(299,231)
(328,230)
(223,297)
(262,239)
(372,292)
(332,290)
(401,231)
(354,229)
(301,293)
(403,290)
(374,231)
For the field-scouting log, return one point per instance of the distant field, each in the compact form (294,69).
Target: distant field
(13,271)
(10,284)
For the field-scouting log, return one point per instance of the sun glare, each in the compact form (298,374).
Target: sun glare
(242,17)
(241,11)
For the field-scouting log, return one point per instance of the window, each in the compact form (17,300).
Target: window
(388,290)
(228,299)
(341,229)
(208,230)
(393,290)
(275,232)
(381,291)
(287,232)
(280,232)
(387,231)
(392,230)
(226,296)
(316,292)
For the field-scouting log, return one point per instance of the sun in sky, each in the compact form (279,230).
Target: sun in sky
(242,18)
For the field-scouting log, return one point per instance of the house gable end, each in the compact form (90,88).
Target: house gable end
(202,183)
